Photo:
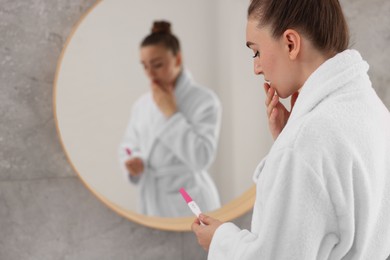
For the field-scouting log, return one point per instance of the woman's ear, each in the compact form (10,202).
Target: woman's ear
(178,59)
(292,41)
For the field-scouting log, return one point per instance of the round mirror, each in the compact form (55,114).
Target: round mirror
(99,77)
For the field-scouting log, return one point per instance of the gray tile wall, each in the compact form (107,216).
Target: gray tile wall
(45,211)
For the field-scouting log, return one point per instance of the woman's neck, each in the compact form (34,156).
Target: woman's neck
(312,61)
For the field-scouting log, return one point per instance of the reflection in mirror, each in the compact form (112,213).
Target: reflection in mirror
(172,135)
(99,79)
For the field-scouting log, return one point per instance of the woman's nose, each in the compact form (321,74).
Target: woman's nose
(150,73)
(257,68)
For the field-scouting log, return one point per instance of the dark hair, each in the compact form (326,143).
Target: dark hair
(322,21)
(161,35)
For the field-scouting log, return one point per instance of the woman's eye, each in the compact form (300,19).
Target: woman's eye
(156,66)
(257,54)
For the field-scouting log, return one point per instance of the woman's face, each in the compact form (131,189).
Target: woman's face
(160,65)
(271,59)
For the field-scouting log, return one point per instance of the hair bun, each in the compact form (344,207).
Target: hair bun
(161,27)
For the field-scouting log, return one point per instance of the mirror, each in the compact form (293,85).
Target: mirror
(99,77)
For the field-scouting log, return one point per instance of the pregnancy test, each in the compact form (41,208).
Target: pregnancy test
(191,204)
(128,151)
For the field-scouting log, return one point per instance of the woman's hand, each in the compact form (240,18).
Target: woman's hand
(276,111)
(205,233)
(164,98)
(135,166)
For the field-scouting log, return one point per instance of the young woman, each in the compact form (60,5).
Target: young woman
(172,136)
(323,190)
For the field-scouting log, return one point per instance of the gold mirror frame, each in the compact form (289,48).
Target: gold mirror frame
(234,209)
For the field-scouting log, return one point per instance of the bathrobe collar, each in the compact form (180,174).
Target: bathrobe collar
(183,82)
(331,76)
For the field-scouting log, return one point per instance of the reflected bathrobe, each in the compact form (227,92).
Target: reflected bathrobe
(323,190)
(176,152)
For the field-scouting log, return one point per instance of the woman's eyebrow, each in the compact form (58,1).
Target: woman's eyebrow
(154,60)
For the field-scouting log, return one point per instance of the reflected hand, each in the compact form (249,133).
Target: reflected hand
(277,113)
(205,233)
(135,166)
(164,98)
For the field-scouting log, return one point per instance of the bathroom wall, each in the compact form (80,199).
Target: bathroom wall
(45,211)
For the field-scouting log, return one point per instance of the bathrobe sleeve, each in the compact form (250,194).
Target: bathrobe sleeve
(130,141)
(293,216)
(194,140)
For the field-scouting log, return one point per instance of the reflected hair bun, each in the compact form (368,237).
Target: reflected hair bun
(161,35)
(161,27)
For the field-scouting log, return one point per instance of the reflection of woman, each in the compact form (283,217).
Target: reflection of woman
(172,136)
(323,191)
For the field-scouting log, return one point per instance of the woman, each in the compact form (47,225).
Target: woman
(323,190)
(172,136)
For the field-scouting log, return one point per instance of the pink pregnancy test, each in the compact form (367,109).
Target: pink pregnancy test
(128,151)
(191,204)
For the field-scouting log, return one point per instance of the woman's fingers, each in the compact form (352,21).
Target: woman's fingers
(272,105)
(137,165)
(164,98)
(266,87)
(206,219)
(273,116)
(134,166)
(155,88)
(270,94)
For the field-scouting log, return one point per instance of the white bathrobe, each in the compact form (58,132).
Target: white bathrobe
(323,190)
(177,151)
